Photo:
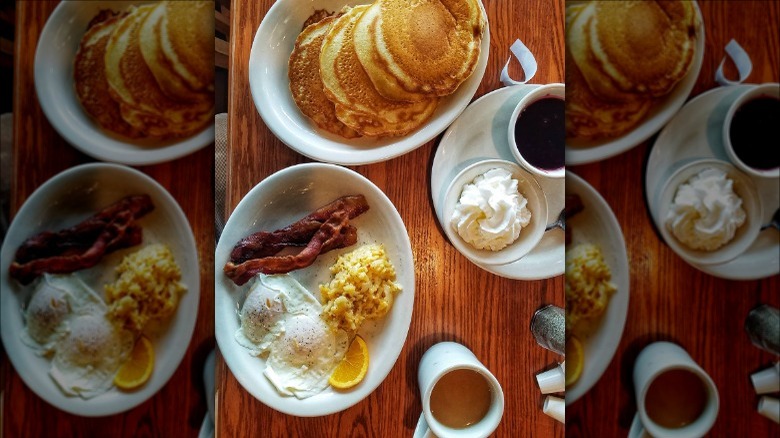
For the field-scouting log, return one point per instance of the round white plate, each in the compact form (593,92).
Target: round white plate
(277,201)
(270,86)
(54,57)
(480,133)
(658,116)
(64,200)
(597,224)
(696,132)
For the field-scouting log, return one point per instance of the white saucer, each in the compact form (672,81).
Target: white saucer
(696,132)
(481,133)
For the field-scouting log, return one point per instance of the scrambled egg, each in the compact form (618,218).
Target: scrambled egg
(588,285)
(147,288)
(363,287)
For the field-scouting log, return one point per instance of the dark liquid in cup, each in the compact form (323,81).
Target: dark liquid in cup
(676,399)
(752,131)
(540,133)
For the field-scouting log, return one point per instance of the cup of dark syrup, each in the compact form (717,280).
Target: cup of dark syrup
(750,131)
(537,131)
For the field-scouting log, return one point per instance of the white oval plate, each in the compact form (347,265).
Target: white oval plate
(658,116)
(696,132)
(277,201)
(597,224)
(54,57)
(64,200)
(481,133)
(270,87)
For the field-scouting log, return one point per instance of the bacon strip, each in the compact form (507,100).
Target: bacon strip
(264,243)
(83,245)
(334,233)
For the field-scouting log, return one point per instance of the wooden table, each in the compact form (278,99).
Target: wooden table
(39,153)
(670,300)
(454,299)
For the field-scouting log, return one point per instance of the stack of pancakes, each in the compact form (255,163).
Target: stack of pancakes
(380,69)
(149,71)
(621,57)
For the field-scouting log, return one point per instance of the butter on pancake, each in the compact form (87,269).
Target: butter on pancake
(346,83)
(305,81)
(427,46)
(92,86)
(143,103)
(646,47)
(175,40)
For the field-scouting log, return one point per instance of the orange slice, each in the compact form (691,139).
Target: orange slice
(138,368)
(574,360)
(353,366)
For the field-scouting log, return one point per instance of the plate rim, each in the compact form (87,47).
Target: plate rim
(52,103)
(579,390)
(226,341)
(601,152)
(354,157)
(35,384)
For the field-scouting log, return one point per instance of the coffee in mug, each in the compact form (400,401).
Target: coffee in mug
(460,398)
(675,399)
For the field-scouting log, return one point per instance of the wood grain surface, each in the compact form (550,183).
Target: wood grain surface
(178,409)
(454,299)
(669,299)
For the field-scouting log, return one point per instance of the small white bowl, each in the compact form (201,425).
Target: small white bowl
(745,235)
(550,90)
(529,236)
(767,90)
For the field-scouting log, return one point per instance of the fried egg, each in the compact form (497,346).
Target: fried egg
(67,320)
(281,319)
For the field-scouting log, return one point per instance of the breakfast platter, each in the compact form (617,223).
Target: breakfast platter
(696,133)
(287,196)
(661,111)
(480,133)
(597,225)
(61,102)
(270,87)
(62,201)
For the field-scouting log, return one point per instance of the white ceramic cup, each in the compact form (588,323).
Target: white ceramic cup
(659,358)
(770,90)
(550,90)
(444,358)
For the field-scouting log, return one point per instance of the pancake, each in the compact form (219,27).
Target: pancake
(92,86)
(166,69)
(188,44)
(645,47)
(347,84)
(588,117)
(578,43)
(305,82)
(364,39)
(143,103)
(428,46)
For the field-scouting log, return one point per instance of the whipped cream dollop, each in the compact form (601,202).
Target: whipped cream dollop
(491,212)
(706,212)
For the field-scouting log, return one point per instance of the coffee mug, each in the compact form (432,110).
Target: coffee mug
(754,146)
(460,397)
(675,397)
(529,149)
